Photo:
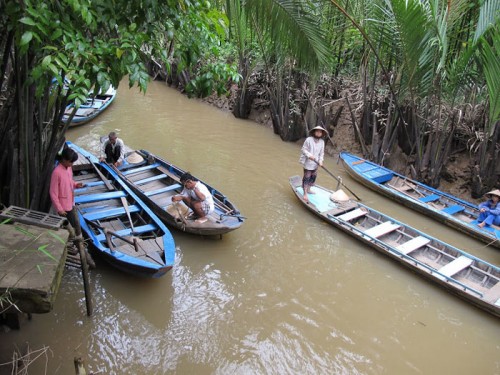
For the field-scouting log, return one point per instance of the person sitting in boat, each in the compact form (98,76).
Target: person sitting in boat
(311,157)
(113,150)
(196,196)
(489,211)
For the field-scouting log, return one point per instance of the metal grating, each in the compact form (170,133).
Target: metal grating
(26,216)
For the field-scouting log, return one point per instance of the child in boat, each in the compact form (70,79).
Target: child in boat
(489,211)
(196,196)
(311,157)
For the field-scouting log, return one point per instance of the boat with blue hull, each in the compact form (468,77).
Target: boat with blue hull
(446,208)
(93,107)
(119,225)
(460,273)
(158,180)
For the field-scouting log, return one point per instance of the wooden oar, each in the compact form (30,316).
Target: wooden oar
(338,180)
(111,187)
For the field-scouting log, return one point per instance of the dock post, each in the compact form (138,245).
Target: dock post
(85,273)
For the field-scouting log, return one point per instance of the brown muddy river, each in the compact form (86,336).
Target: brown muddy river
(284,294)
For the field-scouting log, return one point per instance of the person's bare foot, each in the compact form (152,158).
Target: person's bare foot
(481,225)
(311,192)
(305,198)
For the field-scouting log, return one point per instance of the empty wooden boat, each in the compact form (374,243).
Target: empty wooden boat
(446,208)
(461,273)
(119,225)
(158,181)
(93,107)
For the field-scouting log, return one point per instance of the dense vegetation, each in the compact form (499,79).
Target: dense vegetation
(426,72)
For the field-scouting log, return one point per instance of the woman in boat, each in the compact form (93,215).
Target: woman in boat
(196,196)
(489,211)
(311,157)
(62,186)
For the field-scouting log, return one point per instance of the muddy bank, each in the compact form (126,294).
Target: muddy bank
(456,176)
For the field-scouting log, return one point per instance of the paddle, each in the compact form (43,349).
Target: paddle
(110,187)
(338,180)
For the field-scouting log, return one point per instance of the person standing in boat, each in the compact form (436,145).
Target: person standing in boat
(62,188)
(196,196)
(311,157)
(113,150)
(489,211)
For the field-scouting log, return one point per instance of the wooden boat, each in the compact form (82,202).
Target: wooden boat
(159,180)
(457,271)
(446,208)
(120,226)
(94,106)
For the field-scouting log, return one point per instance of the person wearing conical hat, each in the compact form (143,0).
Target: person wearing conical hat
(311,157)
(489,211)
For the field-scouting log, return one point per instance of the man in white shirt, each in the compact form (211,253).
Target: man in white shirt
(113,150)
(196,196)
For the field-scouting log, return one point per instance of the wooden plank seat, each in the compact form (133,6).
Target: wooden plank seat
(429,198)
(493,294)
(163,190)
(100,196)
(140,169)
(91,184)
(413,244)
(150,179)
(110,213)
(381,229)
(128,231)
(351,215)
(453,209)
(455,266)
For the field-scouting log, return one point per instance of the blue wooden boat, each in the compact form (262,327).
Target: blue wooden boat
(446,208)
(158,181)
(120,226)
(93,107)
(460,273)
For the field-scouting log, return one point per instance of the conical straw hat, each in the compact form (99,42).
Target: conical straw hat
(494,192)
(134,158)
(339,196)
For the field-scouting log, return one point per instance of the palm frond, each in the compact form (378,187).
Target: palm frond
(488,16)
(292,29)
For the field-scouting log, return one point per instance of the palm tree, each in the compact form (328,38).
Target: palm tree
(288,39)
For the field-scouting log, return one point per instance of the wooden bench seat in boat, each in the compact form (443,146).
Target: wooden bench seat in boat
(413,244)
(110,213)
(100,196)
(162,190)
(453,209)
(140,169)
(128,231)
(381,229)
(354,214)
(455,266)
(493,294)
(429,198)
(150,179)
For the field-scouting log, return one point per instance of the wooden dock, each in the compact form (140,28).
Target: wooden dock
(31,266)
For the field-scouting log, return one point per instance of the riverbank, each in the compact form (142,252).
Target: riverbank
(455,179)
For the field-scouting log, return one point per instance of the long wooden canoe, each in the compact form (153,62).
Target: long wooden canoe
(159,180)
(118,223)
(460,273)
(92,108)
(446,208)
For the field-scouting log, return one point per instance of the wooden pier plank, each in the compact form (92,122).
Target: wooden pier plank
(27,272)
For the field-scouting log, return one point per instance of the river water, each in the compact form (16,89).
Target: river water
(284,294)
